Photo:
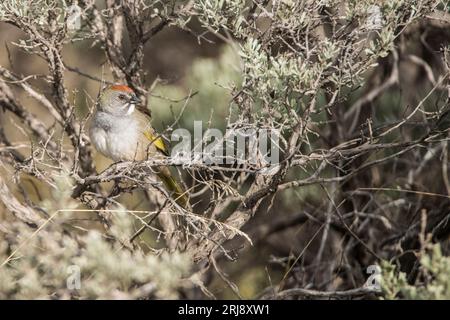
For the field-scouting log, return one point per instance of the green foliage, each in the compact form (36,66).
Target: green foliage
(42,268)
(213,79)
(36,11)
(434,271)
(287,59)
(222,13)
(41,265)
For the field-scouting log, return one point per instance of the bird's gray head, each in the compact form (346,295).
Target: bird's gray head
(118,100)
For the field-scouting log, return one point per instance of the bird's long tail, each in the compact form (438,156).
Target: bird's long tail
(177,192)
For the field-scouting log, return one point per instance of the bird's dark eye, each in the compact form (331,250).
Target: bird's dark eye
(122,97)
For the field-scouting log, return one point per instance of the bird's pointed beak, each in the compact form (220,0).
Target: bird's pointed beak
(135,100)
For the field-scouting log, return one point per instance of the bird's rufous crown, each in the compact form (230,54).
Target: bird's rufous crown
(121,87)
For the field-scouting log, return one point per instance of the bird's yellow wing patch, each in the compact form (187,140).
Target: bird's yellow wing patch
(157,141)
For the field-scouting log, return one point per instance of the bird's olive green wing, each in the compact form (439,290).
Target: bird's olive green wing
(150,134)
(157,141)
(178,194)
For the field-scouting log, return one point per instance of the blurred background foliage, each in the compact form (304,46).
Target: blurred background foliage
(212,79)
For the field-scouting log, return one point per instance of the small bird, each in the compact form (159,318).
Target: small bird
(121,132)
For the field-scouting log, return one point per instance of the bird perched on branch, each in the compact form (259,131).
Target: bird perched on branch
(121,132)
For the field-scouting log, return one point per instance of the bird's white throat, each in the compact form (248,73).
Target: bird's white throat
(130,107)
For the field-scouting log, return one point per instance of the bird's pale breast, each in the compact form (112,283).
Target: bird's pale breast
(118,139)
